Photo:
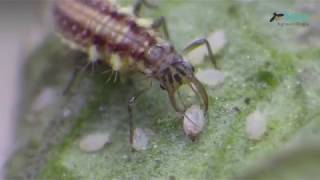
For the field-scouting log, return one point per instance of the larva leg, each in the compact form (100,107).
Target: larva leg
(73,78)
(200,42)
(131,103)
(137,6)
(78,68)
(156,24)
(79,61)
(161,22)
(92,59)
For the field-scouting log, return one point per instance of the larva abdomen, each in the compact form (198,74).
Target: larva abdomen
(98,23)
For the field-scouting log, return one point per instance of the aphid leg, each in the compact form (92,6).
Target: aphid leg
(200,42)
(137,6)
(131,102)
(161,22)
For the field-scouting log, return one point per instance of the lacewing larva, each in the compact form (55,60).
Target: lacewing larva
(126,42)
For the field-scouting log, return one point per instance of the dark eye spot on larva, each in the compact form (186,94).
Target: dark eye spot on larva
(170,79)
(162,87)
(177,78)
(181,72)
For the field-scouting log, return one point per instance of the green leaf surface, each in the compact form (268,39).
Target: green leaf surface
(267,69)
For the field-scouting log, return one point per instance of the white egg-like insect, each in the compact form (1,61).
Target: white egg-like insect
(256,125)
(193,122)
(140,140)
(94,142)
(211,77)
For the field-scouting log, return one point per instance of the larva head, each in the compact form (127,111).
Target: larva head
(174,77)
(173,72)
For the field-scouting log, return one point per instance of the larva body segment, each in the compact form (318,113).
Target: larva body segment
(98,27)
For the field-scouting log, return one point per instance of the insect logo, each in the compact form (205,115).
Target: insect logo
(276,16)
(290,19)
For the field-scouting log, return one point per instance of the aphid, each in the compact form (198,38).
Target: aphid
(140,140)
(121,39)
(94,142)
(193,122)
